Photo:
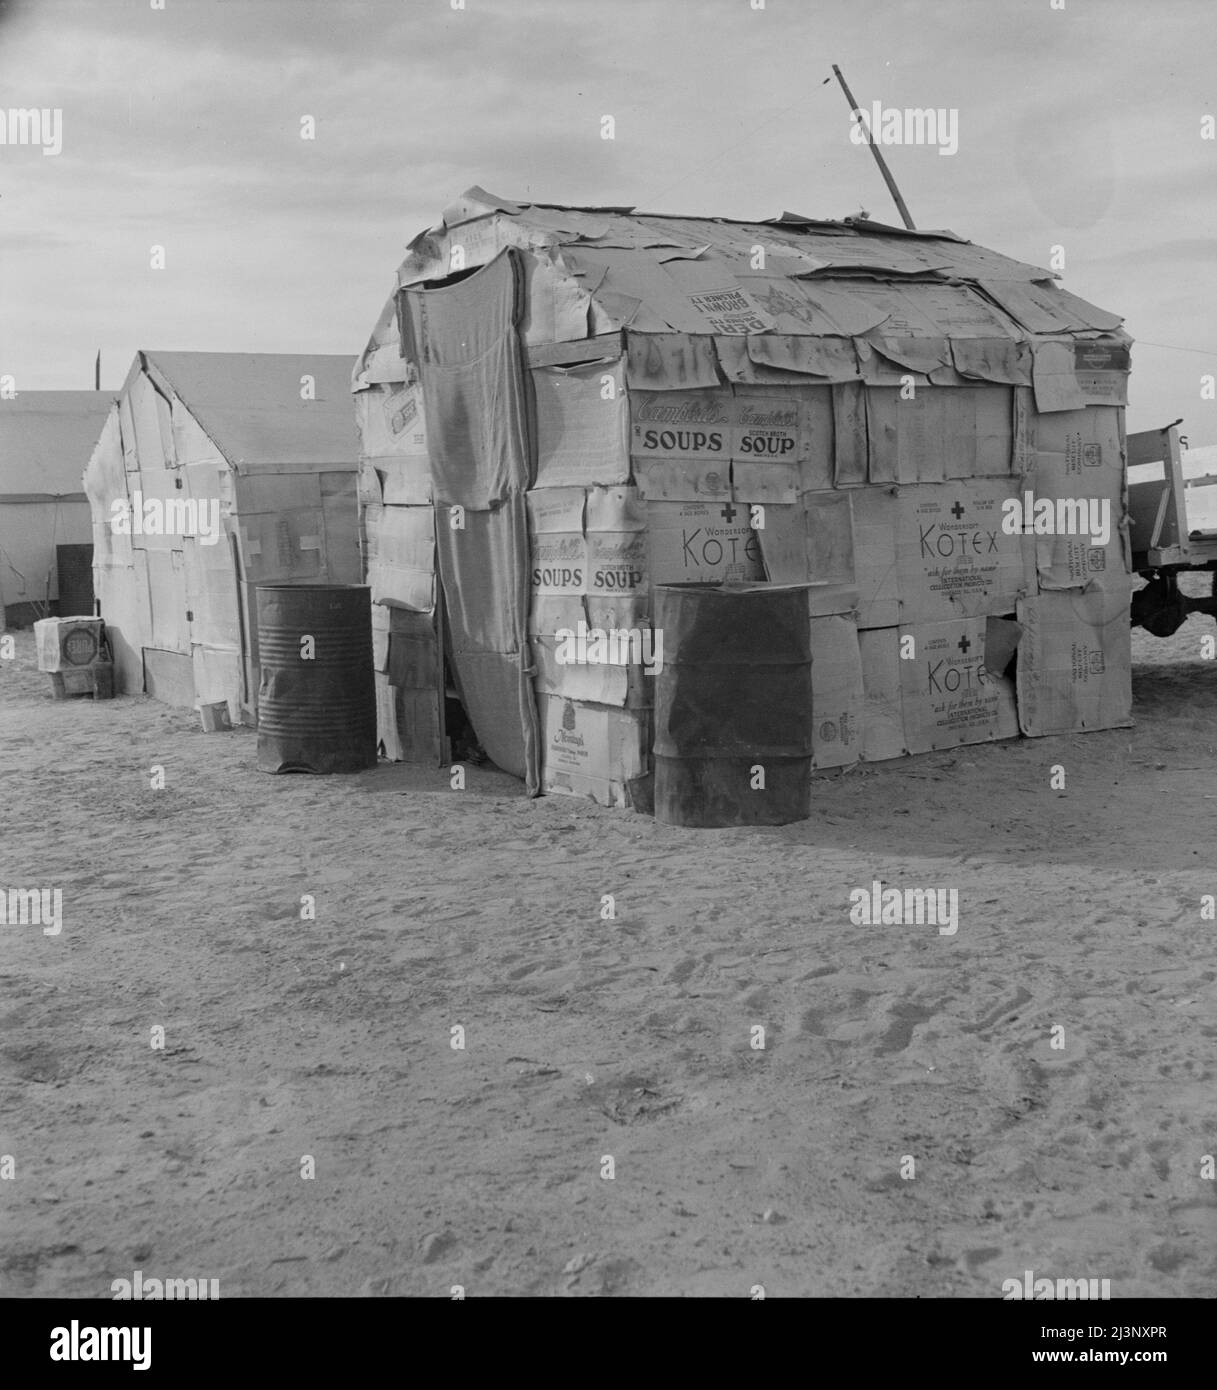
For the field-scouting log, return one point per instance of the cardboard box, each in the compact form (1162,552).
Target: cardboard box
(68,644)
(592,751)
(1074,663)
(838,700)
(948,693)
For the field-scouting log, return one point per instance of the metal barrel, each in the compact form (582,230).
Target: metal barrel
(317,691)
(733,705)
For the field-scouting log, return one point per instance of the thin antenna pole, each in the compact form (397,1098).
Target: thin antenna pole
(97,372)
(874,149)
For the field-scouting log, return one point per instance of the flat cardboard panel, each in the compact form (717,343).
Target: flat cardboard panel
(838,700)
(340,512)
(380,637)
(277,492)
(883,727)
(408,724)
(1074,663)
(948,694)
(600,684)
(682,480)
(850,447)
(1085,484)
(582,425)
(401,556)
(211,594)
(682,424)
(413,657)
(876,519)
(284,546)
(217,676)
(158,487)
(591,751)
(783,542)
(829,541)
(940,433)
(1088,442)
(954,557)
(169,677)
(697,541)
(166,570)
(766,482)
(391,420)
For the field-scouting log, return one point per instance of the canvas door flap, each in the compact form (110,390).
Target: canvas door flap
(464,338)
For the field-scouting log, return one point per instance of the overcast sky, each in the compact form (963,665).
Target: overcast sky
(1077,127)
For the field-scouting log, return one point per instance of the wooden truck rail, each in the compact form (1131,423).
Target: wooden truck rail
(1164,541)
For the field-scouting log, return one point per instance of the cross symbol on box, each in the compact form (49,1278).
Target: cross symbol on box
(964,644)
(728,513)
(957,511)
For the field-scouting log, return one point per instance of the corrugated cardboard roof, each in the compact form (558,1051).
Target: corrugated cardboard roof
(654,273)
(250,403)
(46,438)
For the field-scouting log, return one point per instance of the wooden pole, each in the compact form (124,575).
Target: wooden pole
(874,149)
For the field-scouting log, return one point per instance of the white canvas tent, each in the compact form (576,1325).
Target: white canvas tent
(262,442)
(45,440)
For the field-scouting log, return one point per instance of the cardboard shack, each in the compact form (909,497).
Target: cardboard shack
(45,440)
(216,472)
(562,408)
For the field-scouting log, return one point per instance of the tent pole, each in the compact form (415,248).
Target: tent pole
(874,149)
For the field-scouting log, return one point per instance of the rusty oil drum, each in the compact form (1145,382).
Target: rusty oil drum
(733,695)
(315,713)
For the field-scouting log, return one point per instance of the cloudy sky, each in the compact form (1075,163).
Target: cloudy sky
(1078,127)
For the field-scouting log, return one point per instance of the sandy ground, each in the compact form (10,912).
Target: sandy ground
(587,1037)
